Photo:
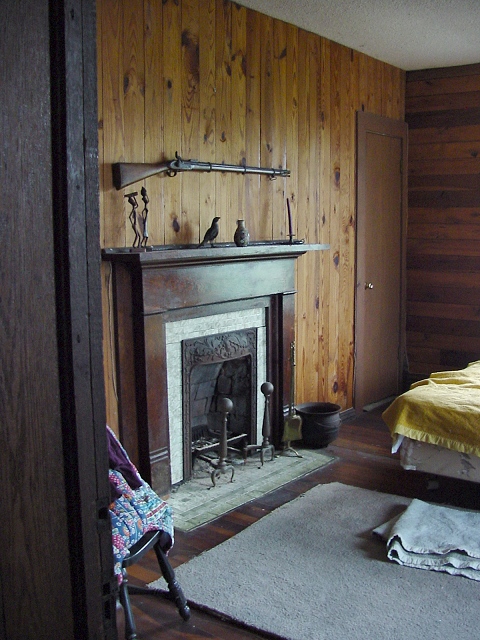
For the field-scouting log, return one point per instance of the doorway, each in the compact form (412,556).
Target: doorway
(380,259)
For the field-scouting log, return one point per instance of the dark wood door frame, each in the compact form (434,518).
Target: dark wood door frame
(371,123)
(78,284)
(56,568)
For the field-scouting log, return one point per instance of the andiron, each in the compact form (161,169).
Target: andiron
(266,446)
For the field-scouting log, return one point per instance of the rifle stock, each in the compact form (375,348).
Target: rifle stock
(126,173)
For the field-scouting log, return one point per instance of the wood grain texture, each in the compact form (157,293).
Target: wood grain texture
(35,520)
(443,289)
(190,115)
(239,117)
(171,92)
(223,115)
(208,135)
(253,120)
(54,560)
(263,92)
(111,145)
(154,116)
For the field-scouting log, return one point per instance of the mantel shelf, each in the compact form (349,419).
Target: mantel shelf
(222,252)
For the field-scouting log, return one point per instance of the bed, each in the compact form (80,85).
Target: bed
(436,424)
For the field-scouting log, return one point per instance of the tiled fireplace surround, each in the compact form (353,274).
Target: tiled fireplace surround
(180,330)
(166,296)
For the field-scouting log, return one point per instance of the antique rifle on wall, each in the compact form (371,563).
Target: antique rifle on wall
(126,173)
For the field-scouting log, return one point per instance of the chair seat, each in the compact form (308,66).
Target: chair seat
(144,545)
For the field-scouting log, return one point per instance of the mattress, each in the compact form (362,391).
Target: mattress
(431,458)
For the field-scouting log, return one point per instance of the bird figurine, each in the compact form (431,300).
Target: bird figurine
(211,233)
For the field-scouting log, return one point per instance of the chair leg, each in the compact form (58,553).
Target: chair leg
(174,587)
(130,629)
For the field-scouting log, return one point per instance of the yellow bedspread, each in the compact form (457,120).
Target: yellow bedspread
(443,409)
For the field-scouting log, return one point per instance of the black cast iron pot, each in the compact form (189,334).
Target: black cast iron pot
(320,423)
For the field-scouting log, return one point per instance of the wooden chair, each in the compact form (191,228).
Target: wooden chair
(140,521)
(155,540)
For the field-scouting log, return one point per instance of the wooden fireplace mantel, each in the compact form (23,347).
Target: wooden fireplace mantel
(153,287)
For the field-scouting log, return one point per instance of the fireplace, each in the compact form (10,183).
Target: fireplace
(208,317)
(217,366)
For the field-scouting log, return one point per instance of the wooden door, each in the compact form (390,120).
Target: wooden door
(380,263)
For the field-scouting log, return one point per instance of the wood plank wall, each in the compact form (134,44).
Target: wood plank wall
(218,82)
(443,246)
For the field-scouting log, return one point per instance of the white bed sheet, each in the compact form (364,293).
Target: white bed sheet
(431,458)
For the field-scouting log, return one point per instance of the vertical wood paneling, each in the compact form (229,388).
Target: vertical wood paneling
(227,84)
(326,264)
(334,178)
(208,136)
(388,88)
(253,119)
(279,128)
(133,94)
(349,102)
(223,107)
(314,293)
(443,288)
(346,197)
(399,94)
(266,125)
(239,109)
(190,115)
(111,148)
(308,201)
(172,100)
(154,116)
(291,125)
(110,57)
(303,306)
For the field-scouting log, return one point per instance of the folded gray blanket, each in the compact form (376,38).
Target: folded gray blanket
(433,537)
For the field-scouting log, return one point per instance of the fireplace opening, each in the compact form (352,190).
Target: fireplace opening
(209,383)
(216,367)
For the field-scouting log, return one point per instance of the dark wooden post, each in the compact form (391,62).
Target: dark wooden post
(56,562)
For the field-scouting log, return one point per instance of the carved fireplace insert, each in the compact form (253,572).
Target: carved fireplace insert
(167,298)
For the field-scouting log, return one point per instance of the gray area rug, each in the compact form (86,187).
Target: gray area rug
(313,570)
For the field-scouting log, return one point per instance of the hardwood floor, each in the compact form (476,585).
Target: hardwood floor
(363,460)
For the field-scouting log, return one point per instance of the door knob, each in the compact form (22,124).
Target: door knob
(368,285)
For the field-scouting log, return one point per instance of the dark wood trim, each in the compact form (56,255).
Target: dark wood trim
(57,564)
(77,273)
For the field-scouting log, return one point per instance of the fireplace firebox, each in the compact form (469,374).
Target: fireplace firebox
(214,367)
(166,287)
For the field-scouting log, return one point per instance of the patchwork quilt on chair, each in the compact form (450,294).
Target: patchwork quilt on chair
(135,508)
